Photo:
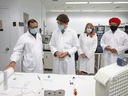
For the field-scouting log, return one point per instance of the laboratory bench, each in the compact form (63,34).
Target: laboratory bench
(35,84)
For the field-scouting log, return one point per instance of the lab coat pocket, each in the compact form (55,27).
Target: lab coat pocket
(67,43)
(29,47)
(29,61)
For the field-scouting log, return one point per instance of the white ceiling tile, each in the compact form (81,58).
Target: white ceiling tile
(60,5)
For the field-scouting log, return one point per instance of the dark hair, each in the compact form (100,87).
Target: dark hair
(92,27)
(63,18)
(31,21)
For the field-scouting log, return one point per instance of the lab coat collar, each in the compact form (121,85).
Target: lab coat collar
(29,34)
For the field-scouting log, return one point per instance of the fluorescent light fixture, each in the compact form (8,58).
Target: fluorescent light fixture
(72,10)
(121,10)
(56,10)
(100,2)
(76,2)
(105,10)
(69,7)
(89,10)
(120,2)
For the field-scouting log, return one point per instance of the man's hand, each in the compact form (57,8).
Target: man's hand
(12,64)
(58,54)
(113,50)
(64,54)
(83,55)
(107,48)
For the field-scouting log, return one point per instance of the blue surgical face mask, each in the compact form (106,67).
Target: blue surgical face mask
(61,27)
(33,31)
(89,30)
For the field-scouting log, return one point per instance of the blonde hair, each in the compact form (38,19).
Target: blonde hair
(92,27)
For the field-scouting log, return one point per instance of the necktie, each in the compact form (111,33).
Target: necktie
(62,31)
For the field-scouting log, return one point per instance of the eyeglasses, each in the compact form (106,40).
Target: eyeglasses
(60,23)
(113,24)
(33,27)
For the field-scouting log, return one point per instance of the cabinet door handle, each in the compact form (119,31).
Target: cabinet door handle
(7,49)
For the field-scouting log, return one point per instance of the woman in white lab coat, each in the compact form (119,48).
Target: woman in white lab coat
(88,45)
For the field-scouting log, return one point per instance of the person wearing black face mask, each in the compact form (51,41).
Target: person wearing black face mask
(114,42)
(113,28)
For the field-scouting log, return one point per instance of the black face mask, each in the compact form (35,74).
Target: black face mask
(113,28)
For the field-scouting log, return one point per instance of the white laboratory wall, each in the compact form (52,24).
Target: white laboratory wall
(34,8)
(78,21)
(12,6)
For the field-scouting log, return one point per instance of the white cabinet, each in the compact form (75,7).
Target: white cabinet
(48,60)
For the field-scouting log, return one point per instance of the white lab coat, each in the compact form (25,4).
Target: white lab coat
(88,46)
(32,50)
(66,42)
(118,40)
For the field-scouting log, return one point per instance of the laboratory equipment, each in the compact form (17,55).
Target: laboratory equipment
(122,61)
(74,86)
(49,76)
(100,31)
(5,80)
(40,81)
(101,28)
(126,29)
(112,82)
(48,60)
(46,40)
(24,87)
(54,93)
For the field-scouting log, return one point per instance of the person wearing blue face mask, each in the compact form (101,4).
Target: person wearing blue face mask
(30,46)
(63,45)
(88,45)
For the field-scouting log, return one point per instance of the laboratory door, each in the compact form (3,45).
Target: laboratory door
(4,39)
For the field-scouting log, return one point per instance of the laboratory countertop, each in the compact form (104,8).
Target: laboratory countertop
(34,84)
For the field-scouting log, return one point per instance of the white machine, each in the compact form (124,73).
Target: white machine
(112,80)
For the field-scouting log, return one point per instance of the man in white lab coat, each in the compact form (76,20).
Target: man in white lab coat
(63,44)
(30,45)
(114,42)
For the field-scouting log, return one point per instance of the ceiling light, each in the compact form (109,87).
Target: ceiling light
(72,10)
(121,10)
(105,10)
(76,2)
(100,2)
(89,10)
(56,10)
(69,7)
(120,2)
